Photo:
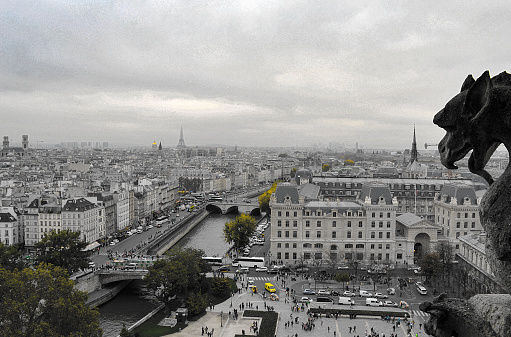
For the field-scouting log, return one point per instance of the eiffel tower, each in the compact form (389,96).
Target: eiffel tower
(181,143)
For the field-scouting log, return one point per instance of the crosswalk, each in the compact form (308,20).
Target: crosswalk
(259,278)
(419,313)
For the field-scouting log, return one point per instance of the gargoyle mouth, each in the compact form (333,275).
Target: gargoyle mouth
(449,156)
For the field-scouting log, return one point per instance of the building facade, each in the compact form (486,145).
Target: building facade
(322,232)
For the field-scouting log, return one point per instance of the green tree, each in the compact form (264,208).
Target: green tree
(239,230)
(264,199)
(178,275)
(446,256)
(325,168)
(342,277)
(63,249)
(42,302)
(196,303)
(430,265)
(221,286)
(10,257)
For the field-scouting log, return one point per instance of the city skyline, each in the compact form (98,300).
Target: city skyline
(233,73)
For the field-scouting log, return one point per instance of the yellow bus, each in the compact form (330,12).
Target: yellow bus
(270,287)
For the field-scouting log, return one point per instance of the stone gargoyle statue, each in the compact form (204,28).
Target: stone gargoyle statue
(478,119)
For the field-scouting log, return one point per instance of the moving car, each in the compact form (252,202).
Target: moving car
(346,300)
(348,293)
(224,268)
(403,305)
(324,292)
(270,287)
(365,293)
(309,292)
(388,303)
(324,299)
(380,295)
(373,302)
(262,269)
(305,300)
(391,291)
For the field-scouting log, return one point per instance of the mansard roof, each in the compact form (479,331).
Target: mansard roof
(7,217)
(78,205)
(460,192)
(328,206)
(285,191)
(376,190)
(309,191)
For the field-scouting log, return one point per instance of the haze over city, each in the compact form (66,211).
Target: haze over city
(279,73)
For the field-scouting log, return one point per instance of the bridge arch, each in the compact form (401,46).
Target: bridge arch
(211,208)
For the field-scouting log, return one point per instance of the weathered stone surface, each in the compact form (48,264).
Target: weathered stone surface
(495,214)
(495,309)
(455,317)
(478,119)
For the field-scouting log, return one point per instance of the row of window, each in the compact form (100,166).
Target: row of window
(334,257)
(360,234)
(391,186)
(333,247)
(321,213)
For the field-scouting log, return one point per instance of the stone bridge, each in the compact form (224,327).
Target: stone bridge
(226,207)
(109,276)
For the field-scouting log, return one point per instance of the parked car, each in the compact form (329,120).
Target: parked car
(348,293)
(346,300)
(380,295)
(343,267)
(309,292)
(371,301)
(365,293)
(224,268)
(388,303)
(324,299)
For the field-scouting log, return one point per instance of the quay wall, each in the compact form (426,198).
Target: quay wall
(171,240)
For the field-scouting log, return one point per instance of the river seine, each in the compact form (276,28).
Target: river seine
(134,302)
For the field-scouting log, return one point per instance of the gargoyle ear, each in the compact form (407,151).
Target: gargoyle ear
(468,83)
(479,94)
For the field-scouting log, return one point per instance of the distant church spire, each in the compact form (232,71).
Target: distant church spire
(413,153)
(159,147)
(181,143)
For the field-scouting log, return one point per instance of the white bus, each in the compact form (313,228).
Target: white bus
(213,260)
(162,220)
(255,262)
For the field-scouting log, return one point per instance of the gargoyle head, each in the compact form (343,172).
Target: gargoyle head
(463,119)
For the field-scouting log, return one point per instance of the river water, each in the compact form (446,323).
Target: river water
(134,302)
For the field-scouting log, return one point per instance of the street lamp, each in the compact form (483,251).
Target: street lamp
(221,313)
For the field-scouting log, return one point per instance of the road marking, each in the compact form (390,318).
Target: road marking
(337,328)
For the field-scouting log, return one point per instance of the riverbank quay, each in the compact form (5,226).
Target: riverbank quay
(293,319)
(99,297)
(163,243)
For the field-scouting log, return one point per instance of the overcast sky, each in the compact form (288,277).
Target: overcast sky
(251,73)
